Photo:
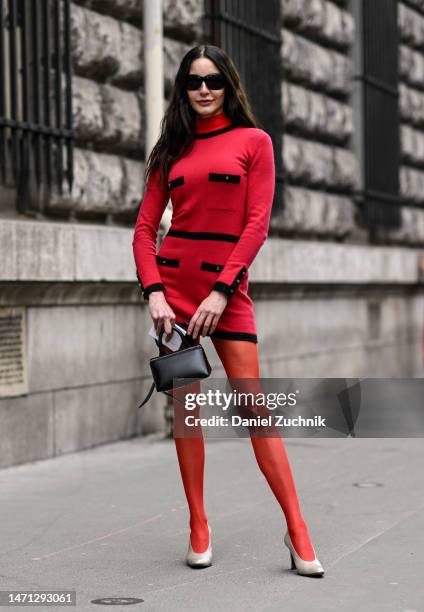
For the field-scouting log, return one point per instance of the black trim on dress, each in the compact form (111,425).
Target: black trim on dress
(233,335)
(230,289)
(203,235)
(230,335)
(222,287)
(139,280)
(215,132)
(218,177)
(176,182)
(167,261)
(153,287)
(211,267)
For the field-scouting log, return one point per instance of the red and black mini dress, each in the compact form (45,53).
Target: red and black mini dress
(221,193)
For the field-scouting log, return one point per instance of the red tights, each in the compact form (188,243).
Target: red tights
(240,360)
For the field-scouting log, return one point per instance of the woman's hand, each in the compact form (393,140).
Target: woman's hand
(161,312)
(207,315)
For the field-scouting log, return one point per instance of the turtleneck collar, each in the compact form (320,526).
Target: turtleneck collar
(205,125)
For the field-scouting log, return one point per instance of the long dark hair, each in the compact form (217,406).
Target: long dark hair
(178,123)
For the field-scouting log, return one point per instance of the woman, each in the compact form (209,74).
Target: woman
(218,169)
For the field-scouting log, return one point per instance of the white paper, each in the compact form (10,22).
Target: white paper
(174,342)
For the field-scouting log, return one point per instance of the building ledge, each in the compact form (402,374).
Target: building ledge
(307,261)
(54,251)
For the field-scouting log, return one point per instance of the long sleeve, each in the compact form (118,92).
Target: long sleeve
(144,242)
(260,194)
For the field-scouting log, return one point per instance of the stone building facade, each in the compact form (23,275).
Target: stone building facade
(328,302)
(320,164)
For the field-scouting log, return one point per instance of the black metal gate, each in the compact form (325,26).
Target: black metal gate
(250,32)
(378,77)
(36,138)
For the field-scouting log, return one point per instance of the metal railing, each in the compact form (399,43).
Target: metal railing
(36,137)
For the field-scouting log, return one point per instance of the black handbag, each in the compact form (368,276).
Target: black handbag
(187,364)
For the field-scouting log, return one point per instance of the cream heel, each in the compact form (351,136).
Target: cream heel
(199,560)
(304,568)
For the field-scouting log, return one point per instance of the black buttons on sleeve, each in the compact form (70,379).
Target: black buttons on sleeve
(230,289)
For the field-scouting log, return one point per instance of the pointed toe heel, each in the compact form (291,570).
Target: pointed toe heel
(312,568)
(200,560)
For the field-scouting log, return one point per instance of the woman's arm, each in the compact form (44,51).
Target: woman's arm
(150,213)
(260,194)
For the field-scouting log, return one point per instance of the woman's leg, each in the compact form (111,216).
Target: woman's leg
(240,360)
(190,447)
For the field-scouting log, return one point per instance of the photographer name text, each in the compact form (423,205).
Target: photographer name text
(236,420)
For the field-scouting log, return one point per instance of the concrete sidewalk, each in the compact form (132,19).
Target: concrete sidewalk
(113,522)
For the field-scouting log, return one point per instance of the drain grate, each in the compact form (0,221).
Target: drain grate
(367,484)
(117,601)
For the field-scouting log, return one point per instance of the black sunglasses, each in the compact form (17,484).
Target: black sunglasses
(213,81)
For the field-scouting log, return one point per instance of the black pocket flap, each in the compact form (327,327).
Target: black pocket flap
(166,261)
(211,267)
(176,182)
(224,178)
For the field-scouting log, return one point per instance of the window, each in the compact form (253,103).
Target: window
(36,139)
(377,111)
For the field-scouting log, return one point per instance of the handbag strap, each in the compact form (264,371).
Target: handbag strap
(149,394)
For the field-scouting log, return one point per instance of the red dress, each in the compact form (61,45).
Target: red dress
(221,193)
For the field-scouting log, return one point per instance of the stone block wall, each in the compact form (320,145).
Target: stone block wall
(320,164)
(320,168)
(411,109)
(108,102)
